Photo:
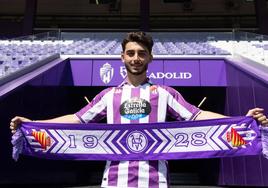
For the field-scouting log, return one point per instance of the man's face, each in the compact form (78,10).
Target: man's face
(136,58)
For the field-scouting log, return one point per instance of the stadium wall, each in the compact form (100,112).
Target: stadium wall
(244,91)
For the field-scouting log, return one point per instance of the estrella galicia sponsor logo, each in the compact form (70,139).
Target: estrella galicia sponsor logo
(106,73)
(137,141)
(135,108)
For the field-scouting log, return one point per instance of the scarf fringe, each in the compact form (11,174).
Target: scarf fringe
(264,139)
(17,141)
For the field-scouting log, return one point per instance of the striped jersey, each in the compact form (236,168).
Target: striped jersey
(127,104)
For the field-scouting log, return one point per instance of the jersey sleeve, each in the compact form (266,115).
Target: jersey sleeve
(178,108)
(95,110)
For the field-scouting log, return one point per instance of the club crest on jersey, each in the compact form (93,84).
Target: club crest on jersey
(106,73)
(135,108)
(137,141)
(153,89)
(118,90)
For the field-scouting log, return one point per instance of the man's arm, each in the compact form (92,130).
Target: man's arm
(71,118)
(256,113)
(16,121)
(209,115)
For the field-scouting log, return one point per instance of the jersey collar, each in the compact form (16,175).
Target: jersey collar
(126,83)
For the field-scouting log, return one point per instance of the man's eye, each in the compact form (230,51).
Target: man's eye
(130,54)
(142,54)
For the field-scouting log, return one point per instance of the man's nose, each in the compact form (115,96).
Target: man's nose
(136,56)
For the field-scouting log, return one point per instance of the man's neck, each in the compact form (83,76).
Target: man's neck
(136,80)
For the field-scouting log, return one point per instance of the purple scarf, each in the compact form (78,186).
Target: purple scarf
(226,137)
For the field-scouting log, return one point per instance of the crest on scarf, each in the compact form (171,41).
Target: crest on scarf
(42,138)
(137,141)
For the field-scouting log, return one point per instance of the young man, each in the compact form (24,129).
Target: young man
(137,100)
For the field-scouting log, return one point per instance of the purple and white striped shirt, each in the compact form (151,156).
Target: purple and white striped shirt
(127,104)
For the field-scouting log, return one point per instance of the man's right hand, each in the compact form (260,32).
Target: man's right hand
(16,121)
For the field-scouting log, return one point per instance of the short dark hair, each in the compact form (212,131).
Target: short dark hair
(139,37)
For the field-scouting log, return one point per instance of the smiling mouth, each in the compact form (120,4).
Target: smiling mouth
(136,67)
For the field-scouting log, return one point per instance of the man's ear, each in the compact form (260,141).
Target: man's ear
(151,58)
(122,57)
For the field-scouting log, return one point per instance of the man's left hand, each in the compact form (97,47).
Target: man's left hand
(257,114)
